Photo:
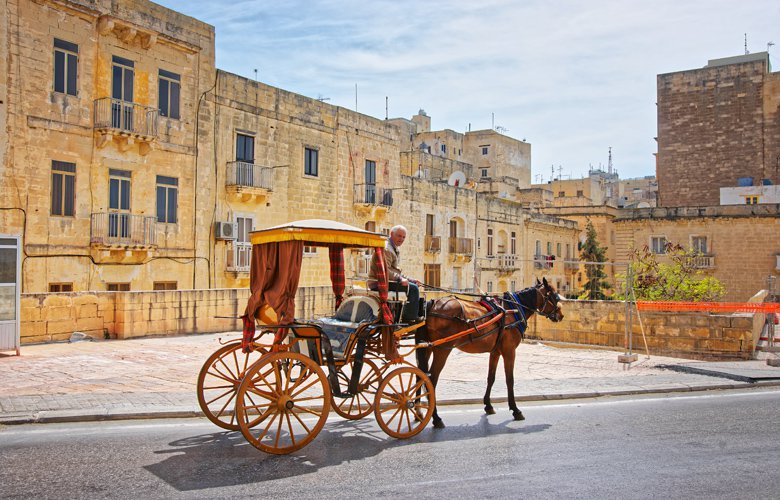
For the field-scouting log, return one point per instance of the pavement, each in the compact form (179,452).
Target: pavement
(157,376)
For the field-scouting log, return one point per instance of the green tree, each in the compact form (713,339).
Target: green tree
(591,251)
(678,280)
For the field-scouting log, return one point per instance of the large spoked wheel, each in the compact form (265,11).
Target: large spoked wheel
(218,382)
(283,402)
(400,411)
(361,404)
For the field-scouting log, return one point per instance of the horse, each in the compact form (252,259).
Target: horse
(477,327)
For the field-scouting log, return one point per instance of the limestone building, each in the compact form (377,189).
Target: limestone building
(718,127)
(129,162)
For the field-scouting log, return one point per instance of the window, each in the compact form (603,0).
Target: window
(310,162)
(245,148)
(370,187)
(118,287)
(561,194)
(443,148)
(370,226)
(558,250)
(169,90)
(699,244)
(429,224)
(658,244)
(538,248)
(484,150)
(66,56)
(167,193)
(164,285)
(60,287)
(490,242)
(63,188)
(549,248)
(512,285)
(432,274)
(579,193)
(118,203)
(122,74)
(484,172)
(513,244)
(751,200)
(568,251)
(309,251)
(489,287)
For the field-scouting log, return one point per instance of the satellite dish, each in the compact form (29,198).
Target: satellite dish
(457,178)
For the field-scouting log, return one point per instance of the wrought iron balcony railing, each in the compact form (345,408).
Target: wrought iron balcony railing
(239,256)
(543,261)
(432,243)
(461,246)
(370,194)
(125,117)
(241,173)
(123,229)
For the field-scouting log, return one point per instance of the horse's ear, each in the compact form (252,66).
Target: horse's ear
(544,280)
(537,281)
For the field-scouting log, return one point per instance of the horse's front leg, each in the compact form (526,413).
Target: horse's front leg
(439,359)
(491,378)
(509,372)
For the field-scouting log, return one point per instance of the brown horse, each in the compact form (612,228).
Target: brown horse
(500,334)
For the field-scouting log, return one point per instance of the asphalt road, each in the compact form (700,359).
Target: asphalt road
(705,445)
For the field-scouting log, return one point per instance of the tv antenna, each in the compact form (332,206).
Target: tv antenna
(746,49)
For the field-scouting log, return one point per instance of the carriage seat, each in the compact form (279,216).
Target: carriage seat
(354,312)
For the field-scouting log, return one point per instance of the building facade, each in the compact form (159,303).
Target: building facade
(718,126)
(129,163)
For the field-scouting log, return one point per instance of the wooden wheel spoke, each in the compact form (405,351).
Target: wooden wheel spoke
(300,421)
(218,374)
(395,398)
(231,375)
(290,427)
(260,418)
(314,382)
(278,432)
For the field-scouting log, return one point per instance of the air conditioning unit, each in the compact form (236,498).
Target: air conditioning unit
(225,230)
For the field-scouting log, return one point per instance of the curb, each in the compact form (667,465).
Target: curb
(71,416)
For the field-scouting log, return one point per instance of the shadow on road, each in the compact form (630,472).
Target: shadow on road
(226,459)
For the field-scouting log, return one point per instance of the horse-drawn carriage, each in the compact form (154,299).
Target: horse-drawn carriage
(271,385)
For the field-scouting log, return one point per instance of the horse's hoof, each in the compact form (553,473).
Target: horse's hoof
(518,415)
(438,424)
(489,410)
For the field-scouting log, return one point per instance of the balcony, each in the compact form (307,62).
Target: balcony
(248,181)
(432,244)
(571,267)
(125,123)
(507,263)
(461,248)
(120,238)
(239,256)
(703,261)
(373,199)
(543,261)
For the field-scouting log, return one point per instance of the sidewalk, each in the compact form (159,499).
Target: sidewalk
(156,377)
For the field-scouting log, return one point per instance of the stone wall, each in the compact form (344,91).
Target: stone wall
(122,315)
(686,335)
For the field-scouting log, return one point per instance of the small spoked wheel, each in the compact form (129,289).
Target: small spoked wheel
(360,404)
(283,402)
(218,382)
(404,402)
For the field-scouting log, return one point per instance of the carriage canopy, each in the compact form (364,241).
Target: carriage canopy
(277,254)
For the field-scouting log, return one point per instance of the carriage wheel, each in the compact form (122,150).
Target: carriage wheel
(400,411)
(361,404)
(282,402)
(218,382)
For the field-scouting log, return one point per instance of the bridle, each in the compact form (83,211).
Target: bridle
(550,298)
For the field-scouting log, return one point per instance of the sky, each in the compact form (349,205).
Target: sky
(572,78)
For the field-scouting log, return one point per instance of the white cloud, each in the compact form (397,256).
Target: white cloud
(573,78)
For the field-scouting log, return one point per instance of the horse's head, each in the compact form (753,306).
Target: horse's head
(548,301)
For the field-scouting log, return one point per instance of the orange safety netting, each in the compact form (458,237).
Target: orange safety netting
(726,307)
